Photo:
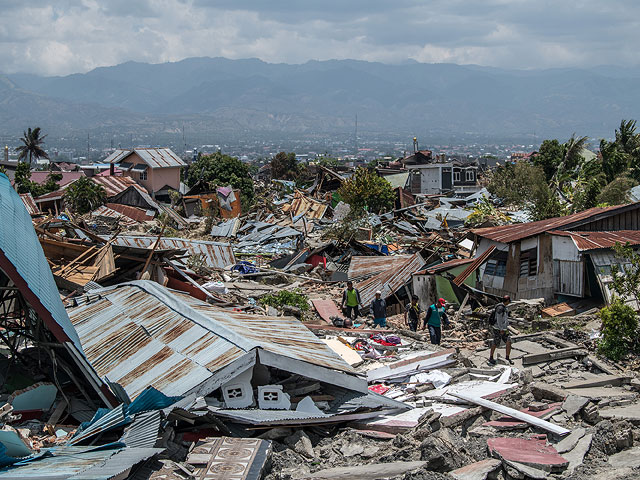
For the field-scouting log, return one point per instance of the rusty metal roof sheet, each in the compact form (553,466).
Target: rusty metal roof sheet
(479,260)
(389,281)
(135,213)
(365,266)
(114,185)
(595,240)
(139,334)
(216,254)
(154,157)
(519,231)
(444,266)
(104,211)
(302,204)
(29,204)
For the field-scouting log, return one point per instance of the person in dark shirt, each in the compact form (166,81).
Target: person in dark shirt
(379,310)
(412,314)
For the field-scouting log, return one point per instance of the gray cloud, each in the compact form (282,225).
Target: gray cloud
(78,35)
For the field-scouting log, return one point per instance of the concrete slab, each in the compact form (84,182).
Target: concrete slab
(576,456)
(374,471)
(600,392)
(534,452)
(627,412)
(573,404)
(600,381)
(526,470)
(569,442)
(530,347)
(627,458)
(477,470)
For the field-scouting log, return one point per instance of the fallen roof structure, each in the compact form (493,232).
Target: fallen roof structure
(139,334)
(24,270)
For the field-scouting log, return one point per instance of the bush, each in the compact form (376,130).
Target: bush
(619,327)
(365,190)
(284,297)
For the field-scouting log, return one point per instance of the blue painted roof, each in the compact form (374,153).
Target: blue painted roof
(20,244)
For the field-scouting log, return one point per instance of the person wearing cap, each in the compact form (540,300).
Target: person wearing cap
(379,311)
(412,314)
(436,314)
(501,330)
(351,301)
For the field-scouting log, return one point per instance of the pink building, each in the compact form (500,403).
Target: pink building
(156,169)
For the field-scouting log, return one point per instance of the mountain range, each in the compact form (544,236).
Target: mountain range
(323,97)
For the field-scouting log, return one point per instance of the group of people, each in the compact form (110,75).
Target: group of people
(433,319)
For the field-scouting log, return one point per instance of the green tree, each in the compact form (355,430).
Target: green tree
(549,157)
(284,166)
(615,160)
(327,161)
(627,138)
(587,193)
(617,191)
(22,178)
(366,190)
(619,330)
(32,146)
(525,186)
(84,196)
(220,170)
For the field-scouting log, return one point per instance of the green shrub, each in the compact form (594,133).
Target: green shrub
(294,299)
(619,327)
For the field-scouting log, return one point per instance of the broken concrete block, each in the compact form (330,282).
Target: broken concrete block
(476,471)
(271,397)
(521,471)
(573,404)
(534,452)
(300,443)
(626,412)
(276,433)
(569,442)
(538,406)
(590,413)
(576,456)
(543,391)
(217,458)
(307,405)
(629,458)
(372,471)
(238,393)
(351,449)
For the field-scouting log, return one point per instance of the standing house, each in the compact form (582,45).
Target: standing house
(156,169)
(438,177)
(535,259)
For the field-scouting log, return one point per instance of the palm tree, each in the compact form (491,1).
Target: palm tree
(31,148)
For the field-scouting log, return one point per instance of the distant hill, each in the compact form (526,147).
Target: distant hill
(324,97)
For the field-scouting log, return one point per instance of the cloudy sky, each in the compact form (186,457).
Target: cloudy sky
(78,35)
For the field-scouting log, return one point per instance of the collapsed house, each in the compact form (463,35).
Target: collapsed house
(139,334)
(528,261)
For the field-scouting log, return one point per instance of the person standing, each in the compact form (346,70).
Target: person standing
(500,329)
(412,314)
(436,314)
(351,301)
(379,311)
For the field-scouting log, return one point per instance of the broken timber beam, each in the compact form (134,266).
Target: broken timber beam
(518,415)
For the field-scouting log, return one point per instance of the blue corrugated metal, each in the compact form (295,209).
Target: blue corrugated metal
(20,244)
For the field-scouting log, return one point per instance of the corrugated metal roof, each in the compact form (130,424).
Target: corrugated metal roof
(216,254)
(135,213)
(29,203)
(365,266)
(104,211)
(304,205)
(226,229)
(114,185)
(389,281)
(519,231)
(594,240)
(397,179)
(479,260)
(139,334)
(40,177)
(444,266)
(154,157)
(21,247)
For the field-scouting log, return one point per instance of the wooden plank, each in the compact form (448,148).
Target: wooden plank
(348,354)
(512,412)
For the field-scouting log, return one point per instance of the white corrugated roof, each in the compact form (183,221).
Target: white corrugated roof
(154,157)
